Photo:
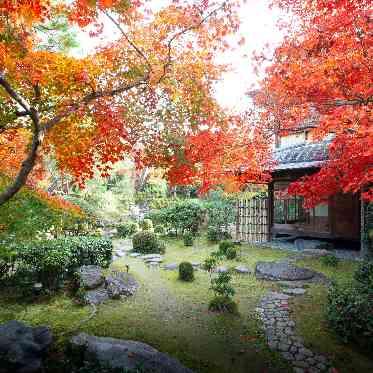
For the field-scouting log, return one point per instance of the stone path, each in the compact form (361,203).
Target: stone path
(273,311)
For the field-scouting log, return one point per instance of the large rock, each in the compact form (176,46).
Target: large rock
(90,276)
(96,296)
(22,347)
(121,284)
(282,271)
(124,354)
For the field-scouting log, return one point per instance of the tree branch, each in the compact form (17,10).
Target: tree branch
(182,32)
(16,97)
(129,41)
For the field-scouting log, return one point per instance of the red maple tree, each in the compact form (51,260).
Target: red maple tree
(324,65)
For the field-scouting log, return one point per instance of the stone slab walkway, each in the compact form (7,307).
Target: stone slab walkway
(281,337)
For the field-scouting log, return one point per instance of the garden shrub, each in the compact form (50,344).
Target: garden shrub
(186,271)
(224,292)
(215,234)
(127,229)
(364,276)
(231,253)
(183,216)
(48,261)
(220,214)
(188,239)
(146,225)
(91,250)
(349,313)
(221,285)
(224,246)
(146,242)
(7,261)
(210,263)
(223,304)
(329,260)
(52,261)
(159,229)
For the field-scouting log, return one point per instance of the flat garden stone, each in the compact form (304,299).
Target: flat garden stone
(195,264)
(282,270)
(134,255)
(23,347)
(150,256)
(221,269)
(90,276)
(171,267)
(296,291)
(124,354)
(153,260)
(242,270)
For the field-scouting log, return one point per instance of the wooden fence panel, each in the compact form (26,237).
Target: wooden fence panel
(252,220)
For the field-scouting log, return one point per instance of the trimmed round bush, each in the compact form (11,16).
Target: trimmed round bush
(146,242)
(127,229)
(186,271)
(223,304)
(188,239)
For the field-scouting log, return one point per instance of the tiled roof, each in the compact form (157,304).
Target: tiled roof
(307,155)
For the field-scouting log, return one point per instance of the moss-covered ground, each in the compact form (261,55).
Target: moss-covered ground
(173,316)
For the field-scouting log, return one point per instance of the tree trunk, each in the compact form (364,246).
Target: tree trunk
(26,167)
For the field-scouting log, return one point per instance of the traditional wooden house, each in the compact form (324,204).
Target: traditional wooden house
(283,215)
(297,155)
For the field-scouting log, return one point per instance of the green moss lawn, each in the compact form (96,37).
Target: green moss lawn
(172,316)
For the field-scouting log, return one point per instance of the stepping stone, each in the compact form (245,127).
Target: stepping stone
(221,269)
(150,256)
(153,260)
(291,284)
(171,267)
(283,270)
(272,295)
(296,291)
(135,255)
(195,264)
(120,253)
(153,264)
(242,270)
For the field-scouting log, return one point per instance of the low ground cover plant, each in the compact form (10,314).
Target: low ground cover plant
(329,260)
